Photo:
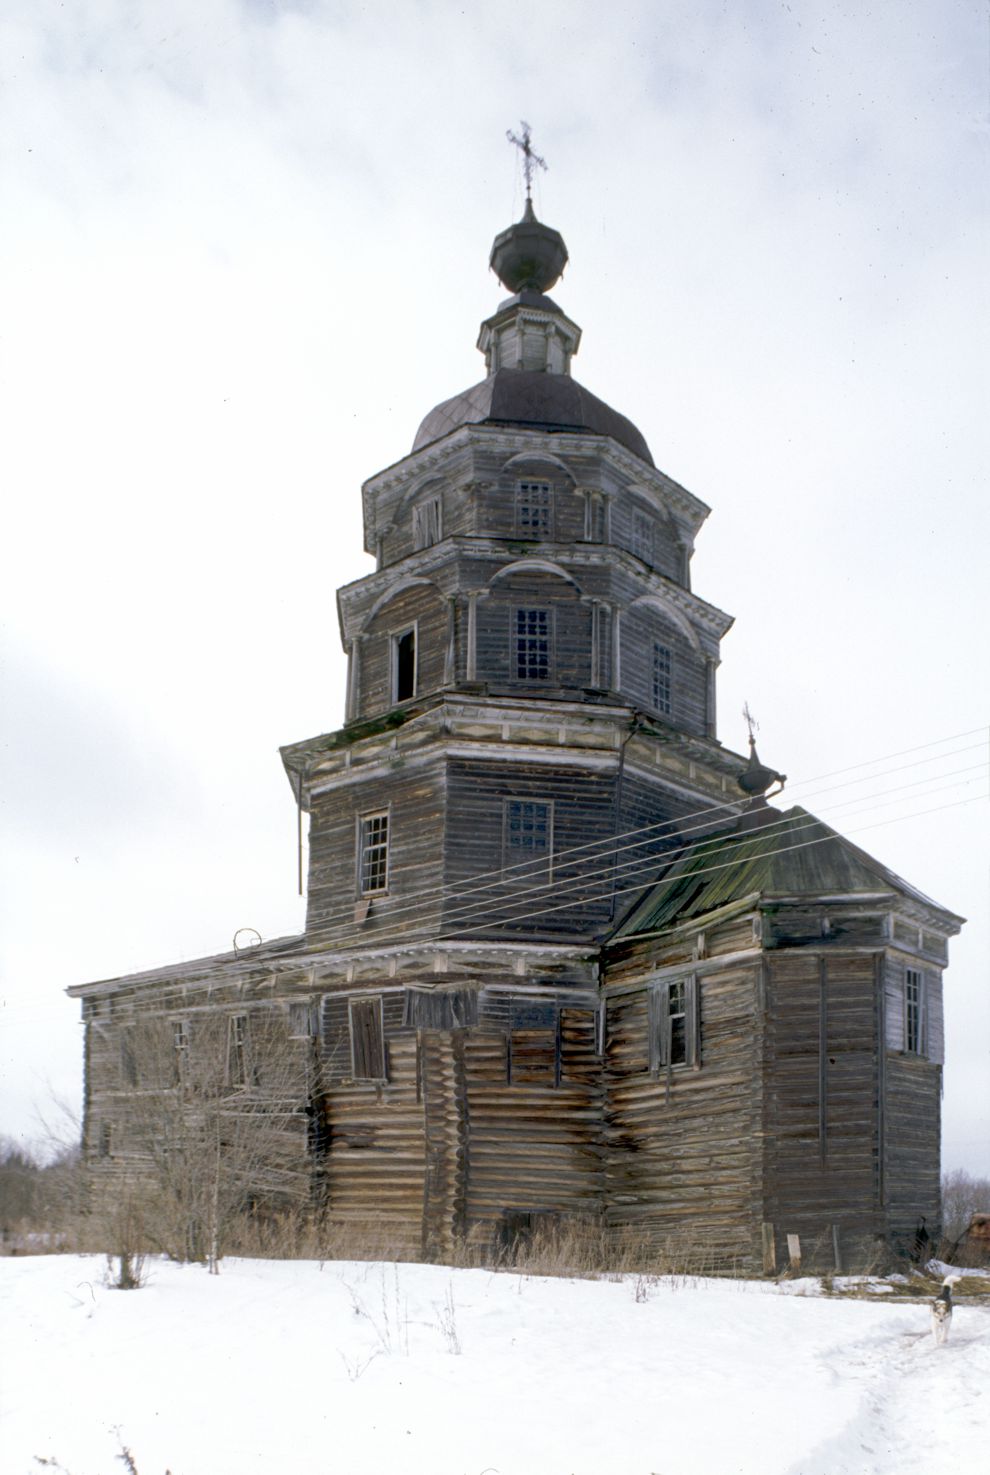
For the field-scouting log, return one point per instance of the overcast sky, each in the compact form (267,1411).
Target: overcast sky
(244,251)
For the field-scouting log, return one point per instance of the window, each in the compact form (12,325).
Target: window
(404,665)
(373,853)
(532,639)
(527,836)
(642,536)
(104,1146)
(534,509)
(662,671)
(675,1024)
(180,1049)
(367,1039)
(914,1012)
(128,1059)
(427,523)
(237,1048)
(302,1024)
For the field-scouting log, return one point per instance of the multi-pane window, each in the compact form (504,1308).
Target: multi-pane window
(367,1039)
(662,674)
(427,522)
(534,509)
(373,852)
(642,536)
(404,665)
(913,1011)
(237,1046)
(528,835)
(532,645)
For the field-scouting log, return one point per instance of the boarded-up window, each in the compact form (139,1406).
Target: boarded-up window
(373,853)
(427,522)
(302,1021)
(439,1008)
(367,1040)
(675,1023)
(534,509)
(642,536)
(533,1053)
(104,1146)
(237,1050)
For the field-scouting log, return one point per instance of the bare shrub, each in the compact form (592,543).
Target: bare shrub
(963,1195)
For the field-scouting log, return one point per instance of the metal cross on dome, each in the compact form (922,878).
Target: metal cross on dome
(530,160)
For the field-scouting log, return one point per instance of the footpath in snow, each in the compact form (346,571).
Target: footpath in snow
(345,1368)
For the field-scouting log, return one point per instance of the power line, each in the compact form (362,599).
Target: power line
(608,848)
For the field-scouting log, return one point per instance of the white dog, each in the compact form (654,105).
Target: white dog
(942,1311)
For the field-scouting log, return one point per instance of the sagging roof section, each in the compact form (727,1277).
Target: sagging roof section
(788,854)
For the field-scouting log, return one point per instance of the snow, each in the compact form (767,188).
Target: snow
(350,1368)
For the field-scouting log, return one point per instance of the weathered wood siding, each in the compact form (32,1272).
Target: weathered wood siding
(642,629)
(375,1156)
(535,1140)
(683,1157)
(414,795)
(512,893)
(820,1078)
(421,606)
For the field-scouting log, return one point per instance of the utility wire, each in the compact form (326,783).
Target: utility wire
(608,848)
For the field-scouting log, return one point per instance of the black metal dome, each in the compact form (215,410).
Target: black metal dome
(534,401)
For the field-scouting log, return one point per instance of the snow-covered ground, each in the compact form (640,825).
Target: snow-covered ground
(364,1369)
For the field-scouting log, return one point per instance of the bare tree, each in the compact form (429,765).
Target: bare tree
(209,1125)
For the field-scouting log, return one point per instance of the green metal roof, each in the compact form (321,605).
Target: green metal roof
(786,854)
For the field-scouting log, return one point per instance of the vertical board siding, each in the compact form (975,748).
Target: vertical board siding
(821,1084)
(682,1144)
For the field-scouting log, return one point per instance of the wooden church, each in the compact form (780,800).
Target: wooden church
(563,962)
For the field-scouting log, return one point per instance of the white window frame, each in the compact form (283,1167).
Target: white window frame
(393,677)
(364,845)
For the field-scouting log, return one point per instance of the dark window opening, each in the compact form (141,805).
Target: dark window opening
(404,657)
(534,509)
(913,997)
(533,644)
(675,1024)
(237,1042)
